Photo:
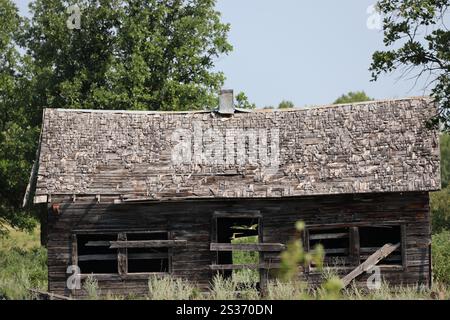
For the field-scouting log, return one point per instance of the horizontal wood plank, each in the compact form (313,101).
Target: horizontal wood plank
(324,236)
(217,267)
(261,247)
(148,244)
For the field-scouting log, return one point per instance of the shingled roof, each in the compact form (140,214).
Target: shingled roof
(379,146)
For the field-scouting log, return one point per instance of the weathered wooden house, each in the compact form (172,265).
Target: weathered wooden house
(134,194)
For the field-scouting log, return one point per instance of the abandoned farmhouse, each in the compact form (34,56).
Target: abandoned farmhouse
(133,194)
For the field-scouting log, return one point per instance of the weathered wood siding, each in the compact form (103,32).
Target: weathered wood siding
(191,221)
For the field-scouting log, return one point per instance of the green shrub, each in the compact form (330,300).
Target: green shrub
(387,292)
(21,270)
(440,210)
(445,159)
(169,288)
(295,257)
(286,105)
(287,290)
(223,289)
(441,257)
(90,285)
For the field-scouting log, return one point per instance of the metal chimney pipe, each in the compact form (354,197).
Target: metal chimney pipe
(226,102)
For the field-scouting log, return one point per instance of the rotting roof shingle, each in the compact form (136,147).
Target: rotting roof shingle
(377,146)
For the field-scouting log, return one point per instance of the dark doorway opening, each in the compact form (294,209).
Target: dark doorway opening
(235,230)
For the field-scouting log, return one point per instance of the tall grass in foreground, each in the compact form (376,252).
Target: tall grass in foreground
(441,256)
(168,288)
(23,265)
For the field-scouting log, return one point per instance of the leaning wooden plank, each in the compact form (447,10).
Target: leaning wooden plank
(373,260)
(148,244)
(43,295)
(261,247)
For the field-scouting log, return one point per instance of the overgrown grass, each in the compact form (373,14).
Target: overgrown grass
(387,292)
(23,264)
(441,257)
(168,288)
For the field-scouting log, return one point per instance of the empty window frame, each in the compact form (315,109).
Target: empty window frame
(373,238)
(243,230)
(94,255)
(143,260)
(336,243)
(352,245)
(238,231)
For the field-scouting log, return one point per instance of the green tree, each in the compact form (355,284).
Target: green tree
(418,39)
(128,54)
(440,201)
(242,101)
(440,210)
(441,257)
(353,97)
(286,105)
(445,160)
(17,136)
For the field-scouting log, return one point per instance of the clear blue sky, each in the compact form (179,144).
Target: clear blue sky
(309,52)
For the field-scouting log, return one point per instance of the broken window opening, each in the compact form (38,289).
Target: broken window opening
(94,253)
(239,231)
(352,245)
(336,243)
(373,238)
(143,260)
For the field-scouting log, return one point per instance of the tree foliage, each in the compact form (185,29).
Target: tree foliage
(445,160)
(440,201)
(419,42)
(441,257)
(18,136)
(127,54)
(285,104)
(440,210)
(353,97)
(242,101)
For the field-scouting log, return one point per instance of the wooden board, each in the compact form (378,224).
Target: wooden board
(261,247)
(148,244)
(372,261)
(244,266)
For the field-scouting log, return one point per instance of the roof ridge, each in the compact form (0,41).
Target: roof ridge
(324,106)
